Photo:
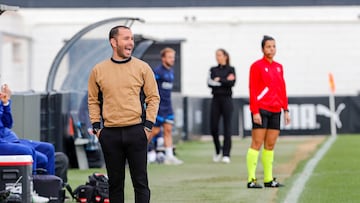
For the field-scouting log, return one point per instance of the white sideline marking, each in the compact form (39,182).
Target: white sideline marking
(299,184)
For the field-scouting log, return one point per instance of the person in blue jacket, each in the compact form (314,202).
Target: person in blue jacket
(43,153)
(164,75)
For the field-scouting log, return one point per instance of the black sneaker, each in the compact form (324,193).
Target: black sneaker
(254,185)
(273,183)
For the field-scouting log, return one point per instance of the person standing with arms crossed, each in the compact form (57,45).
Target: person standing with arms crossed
(221,80)
(164,75)
(115,87)
(267,98)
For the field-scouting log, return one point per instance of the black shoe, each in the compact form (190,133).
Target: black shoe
(273,183)
(254,185)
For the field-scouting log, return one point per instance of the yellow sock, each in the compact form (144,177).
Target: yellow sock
(267,158)
(251,160)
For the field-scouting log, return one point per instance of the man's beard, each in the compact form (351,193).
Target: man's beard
(120,53)
(169,64)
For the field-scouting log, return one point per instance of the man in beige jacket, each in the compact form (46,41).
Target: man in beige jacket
(123,94)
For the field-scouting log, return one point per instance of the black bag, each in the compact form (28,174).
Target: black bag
(84,193)
(7,197)
(14,198)
(96,190)
(4,194)
(49,186)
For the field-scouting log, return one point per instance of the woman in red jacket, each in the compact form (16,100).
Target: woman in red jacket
(267,99)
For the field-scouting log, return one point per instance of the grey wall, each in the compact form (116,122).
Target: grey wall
(26,115)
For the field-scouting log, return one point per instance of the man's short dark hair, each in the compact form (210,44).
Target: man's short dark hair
(115,31)
(266,38)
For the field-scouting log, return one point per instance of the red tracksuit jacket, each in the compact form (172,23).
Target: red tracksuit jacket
(267,87)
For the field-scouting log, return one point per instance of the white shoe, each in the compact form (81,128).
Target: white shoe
(151,156)
(216,157)
(35,198)
(172,161)
(226,159)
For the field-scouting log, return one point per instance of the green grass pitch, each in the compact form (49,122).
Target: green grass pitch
(336,178)
(201,180)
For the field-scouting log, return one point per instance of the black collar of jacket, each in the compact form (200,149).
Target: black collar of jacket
(123,61)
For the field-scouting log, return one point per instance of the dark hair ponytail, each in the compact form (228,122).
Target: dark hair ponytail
(266,38)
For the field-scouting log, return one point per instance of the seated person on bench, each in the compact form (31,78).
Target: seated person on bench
(8,148)
(43,153)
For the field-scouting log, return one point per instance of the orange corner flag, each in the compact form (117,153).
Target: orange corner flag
(331,82)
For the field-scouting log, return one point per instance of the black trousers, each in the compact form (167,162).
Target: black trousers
(221,106)
(120,144)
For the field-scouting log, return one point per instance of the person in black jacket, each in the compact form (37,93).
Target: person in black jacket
(221,80)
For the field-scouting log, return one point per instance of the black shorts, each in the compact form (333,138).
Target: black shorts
(270,120)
